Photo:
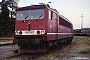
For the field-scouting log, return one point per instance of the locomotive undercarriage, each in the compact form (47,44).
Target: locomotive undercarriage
(63,41)
(39,44)
(30,42)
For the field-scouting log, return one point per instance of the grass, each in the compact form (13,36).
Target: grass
(82,39)
(63,54)
(58,56)
(76,40)
(53,56)
(85,51)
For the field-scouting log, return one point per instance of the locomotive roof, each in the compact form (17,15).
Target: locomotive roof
(42,6)
(32,7)
(54,10)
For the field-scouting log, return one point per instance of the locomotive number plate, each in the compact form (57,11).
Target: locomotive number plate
(29,32)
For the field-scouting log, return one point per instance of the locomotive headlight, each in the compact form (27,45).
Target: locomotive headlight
(42,32)
(20,32)
(16,32)
(38,32)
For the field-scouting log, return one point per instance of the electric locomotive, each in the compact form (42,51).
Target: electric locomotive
(39,26)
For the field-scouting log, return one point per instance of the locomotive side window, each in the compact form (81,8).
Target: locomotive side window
(50,15)
(30,14)
(60,21)
(64,22)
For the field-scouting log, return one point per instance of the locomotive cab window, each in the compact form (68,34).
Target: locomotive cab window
(30,14)
(21,15)
(37,14)
(50,15)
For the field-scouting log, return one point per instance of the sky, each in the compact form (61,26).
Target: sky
(71,9)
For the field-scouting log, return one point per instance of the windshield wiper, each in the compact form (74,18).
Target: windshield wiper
(25,18)
(39,17)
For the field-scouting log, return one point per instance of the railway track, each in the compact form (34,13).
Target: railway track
(7,44)
(11,38)
(34,56)
(24,56)
(16,55)
(7,48)
(28,56)
(6,41)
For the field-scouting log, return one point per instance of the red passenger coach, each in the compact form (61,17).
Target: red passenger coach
(39,26)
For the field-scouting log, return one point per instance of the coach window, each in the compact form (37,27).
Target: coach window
(50,15)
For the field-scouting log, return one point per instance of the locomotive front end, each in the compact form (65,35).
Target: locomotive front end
(30,28)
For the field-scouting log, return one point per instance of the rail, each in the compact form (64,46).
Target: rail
(6,38)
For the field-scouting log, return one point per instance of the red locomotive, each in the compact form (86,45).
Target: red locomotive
(39,26)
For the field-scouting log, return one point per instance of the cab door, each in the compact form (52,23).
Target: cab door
(56,26)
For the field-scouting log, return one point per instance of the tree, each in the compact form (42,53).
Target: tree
(7,17)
